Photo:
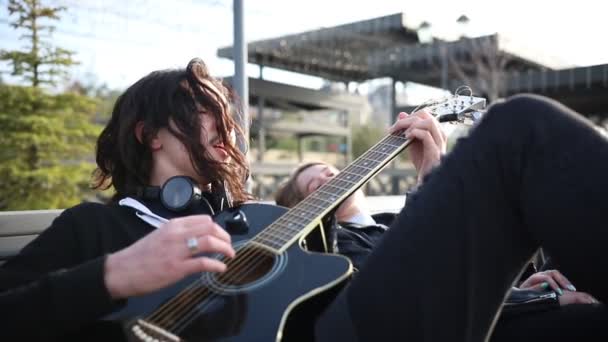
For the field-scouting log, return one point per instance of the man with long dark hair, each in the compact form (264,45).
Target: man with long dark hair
(170,123)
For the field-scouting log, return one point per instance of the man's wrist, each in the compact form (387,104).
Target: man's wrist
(112,278)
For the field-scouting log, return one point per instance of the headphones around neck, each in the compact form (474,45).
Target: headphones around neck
(177,194)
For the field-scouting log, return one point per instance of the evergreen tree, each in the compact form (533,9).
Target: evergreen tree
(46,148)
(40,62)
(47,141)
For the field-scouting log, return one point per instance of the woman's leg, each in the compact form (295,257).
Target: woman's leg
(532,172)
(575,322)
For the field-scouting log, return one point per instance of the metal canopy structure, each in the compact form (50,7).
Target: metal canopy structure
(388,47)
(425,63)
(585,89)
(338,53)
(374,48)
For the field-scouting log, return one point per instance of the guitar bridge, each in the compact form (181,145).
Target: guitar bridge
(148,332)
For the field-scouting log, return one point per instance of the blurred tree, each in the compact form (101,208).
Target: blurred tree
(105,97)
(40,62)
(364,137)
(47,141)
(46,148)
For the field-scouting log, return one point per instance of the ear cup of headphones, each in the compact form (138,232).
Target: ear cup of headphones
(179,193)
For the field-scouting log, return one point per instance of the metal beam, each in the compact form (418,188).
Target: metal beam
(240,61)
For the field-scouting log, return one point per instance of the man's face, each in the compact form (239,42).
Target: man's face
(314,176)
(173,155)
(211,139)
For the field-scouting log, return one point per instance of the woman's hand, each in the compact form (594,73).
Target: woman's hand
(429,140)
(163,257)
(570,297)
(551,278)
(557,281)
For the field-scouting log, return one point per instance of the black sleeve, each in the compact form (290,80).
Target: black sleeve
(357,242)
(49,289)
(522,301)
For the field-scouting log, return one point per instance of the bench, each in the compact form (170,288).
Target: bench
(17,228)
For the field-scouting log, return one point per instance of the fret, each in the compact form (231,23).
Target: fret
(382,153)
(396,140)
(331,184)
(376,158)
(272,245)
(275,235)
(286,224)
(385,146)
(392,144)
(301,214)
(348,176)
(399,137)
(294,221)
(310,208)
(318,207)
(327,196)
(343,183)
(366,162)
(270,241)
(332,195)
(360,169)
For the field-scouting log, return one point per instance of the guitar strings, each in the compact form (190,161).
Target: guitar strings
(270,232)
(186,293)
(166,310)
(246,256)
(245,261)
(184,296)
(205,303)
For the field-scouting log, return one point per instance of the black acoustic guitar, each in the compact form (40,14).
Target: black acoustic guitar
(273,288)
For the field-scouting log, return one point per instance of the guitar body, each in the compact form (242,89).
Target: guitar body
(278,300)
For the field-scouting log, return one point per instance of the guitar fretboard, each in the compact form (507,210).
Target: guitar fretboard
(299,219)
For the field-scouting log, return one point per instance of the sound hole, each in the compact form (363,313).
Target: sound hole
(250,264)
(251,267)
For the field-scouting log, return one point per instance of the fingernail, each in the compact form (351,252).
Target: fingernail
(544,285)
(559,291)
(571,288)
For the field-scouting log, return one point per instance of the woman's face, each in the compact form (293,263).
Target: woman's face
(314,176)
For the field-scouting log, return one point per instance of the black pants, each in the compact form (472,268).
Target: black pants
(532,172)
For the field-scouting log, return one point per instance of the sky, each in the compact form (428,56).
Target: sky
(118,42)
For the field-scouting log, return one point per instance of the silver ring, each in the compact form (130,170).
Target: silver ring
(192,244)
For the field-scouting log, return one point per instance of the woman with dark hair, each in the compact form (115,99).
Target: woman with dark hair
(542,296)
(171,131)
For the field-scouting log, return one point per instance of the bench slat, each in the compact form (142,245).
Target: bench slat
(26,222)
(10,245)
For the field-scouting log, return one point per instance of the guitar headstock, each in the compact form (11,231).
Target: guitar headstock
(457,108)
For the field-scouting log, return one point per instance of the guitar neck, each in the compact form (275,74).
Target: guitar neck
(305,216)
